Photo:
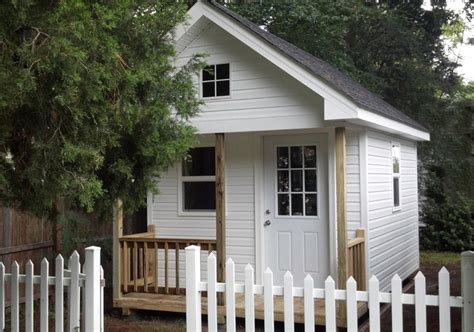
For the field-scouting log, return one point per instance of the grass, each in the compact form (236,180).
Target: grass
(440,258)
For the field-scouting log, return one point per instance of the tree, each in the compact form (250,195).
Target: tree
(91,106)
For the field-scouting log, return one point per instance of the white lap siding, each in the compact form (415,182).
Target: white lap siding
(263,97)
(240,209)
(352,182)
(393,235)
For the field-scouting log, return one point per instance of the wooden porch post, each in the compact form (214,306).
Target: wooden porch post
(220,212)
(117,233)
(341,207)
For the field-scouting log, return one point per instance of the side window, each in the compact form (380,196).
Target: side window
(215,81)
(198,181)
(396,175)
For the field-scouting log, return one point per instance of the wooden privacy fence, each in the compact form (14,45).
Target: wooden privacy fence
(88,285)
(151,265)
(373,297)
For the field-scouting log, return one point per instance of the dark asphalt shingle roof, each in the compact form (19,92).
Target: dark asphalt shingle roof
(330,74)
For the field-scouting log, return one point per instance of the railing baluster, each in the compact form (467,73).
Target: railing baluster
(125,267)
(145,276)
(155,272)
(166,268)
(177,267)
(135,267)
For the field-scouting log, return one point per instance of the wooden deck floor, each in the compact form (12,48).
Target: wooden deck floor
(177,303)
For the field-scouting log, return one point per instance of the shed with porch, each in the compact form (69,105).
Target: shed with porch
(297,168)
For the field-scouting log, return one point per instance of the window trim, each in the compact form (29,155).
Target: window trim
(216,98)
(396,176)
(182,179)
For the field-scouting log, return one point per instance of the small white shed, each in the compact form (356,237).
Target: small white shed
(294,161)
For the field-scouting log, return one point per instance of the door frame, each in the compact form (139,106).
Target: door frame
(259,187)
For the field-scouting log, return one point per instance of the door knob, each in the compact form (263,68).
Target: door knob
(267,223)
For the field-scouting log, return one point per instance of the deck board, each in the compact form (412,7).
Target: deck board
(177,303)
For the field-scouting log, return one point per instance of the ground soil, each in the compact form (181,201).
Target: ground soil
(153,321)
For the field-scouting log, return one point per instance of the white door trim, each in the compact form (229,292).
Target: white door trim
(259,186)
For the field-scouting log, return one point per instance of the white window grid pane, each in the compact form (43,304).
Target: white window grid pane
(289,169)
(215,80)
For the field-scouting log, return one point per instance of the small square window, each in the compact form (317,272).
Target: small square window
(216,81)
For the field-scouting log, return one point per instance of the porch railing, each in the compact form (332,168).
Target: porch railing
(155,265)
(356,259)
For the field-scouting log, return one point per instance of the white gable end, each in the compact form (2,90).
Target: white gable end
(263,97)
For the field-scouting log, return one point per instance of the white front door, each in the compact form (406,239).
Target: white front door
(296,223)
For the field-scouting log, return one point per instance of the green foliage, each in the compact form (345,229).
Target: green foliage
(91,107)
(448,226)
(397,50)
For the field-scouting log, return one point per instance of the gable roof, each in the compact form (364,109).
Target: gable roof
(360,95)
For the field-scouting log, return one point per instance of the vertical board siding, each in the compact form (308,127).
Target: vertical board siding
(393,235)
(352,183)
(240,211)
(259,90)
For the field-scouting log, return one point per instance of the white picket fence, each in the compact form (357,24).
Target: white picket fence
(374,297)
(89,283)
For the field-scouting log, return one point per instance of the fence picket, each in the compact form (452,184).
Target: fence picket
(268,300)
(444,307)
(397,306)
(420,302)
(59,294)
(2,296)
(92,288)
(249,300)
(308,304)
(15,298)
(288,305)
(374,304)
(74,298)
(29,297)
(330,304)
(374,297)
(230,295)
(102,309)
(44,296)
(211,293)
(351,287)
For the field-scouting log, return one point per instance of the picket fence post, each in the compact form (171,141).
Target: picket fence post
(467,290)
(193,295)
(92,297)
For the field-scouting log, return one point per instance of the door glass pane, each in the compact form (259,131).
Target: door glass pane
(283,204)
(282,157)
(297,180)
(310,205)
(310,180)
(296,157)
(309,156)
(296,204)
(283,184)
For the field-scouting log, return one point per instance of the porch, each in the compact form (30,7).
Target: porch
(152,277)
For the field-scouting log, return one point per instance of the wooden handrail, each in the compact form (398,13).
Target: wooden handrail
(150,233)
(152,265)
(356,259)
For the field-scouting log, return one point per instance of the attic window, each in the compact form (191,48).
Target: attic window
(216,81)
